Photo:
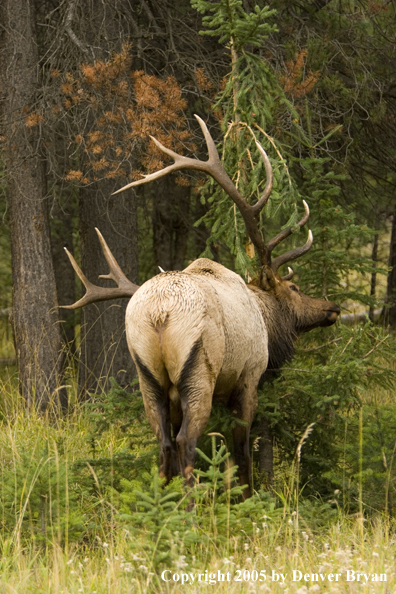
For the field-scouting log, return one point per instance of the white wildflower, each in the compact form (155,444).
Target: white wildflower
(181,562)
(127,567)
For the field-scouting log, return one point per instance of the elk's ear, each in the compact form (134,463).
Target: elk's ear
(268,280)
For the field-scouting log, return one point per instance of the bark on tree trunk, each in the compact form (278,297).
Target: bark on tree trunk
(35,315)
(373,283)
(390,311)
(104,352)
(266,452)
(171,205)
(61,236)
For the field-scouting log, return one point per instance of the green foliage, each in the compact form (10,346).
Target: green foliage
(118,407)
(174,522)
(373,469)
(219,509)
(337,251)
(328,381)
(248,102)
(229,20)
(158,516)
(39,493)
(118,411)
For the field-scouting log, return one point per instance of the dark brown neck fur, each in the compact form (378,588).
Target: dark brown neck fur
(281,327)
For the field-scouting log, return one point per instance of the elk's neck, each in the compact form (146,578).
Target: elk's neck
(281,328)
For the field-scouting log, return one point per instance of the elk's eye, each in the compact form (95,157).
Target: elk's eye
(294,288)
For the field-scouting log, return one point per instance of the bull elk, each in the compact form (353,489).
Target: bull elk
(203,334)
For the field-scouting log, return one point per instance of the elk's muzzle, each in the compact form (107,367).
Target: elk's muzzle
(332,314)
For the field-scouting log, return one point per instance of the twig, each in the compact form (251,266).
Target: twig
(376,347)
(321,346)
(8,362)
(69,30)
(346,346)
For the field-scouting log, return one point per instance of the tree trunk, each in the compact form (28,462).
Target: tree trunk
(171,205)
(390,310)
(373,283)
(266,452)
(34,315)
(61,224)
(104,352)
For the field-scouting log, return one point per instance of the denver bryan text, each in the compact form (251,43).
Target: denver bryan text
(350,576)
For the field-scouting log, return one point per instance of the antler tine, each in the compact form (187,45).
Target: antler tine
(287,232)
(95,293)
(270,245)
(256,208)
(178,164)
(115,273)
(212,166)
(289,274)
(292,254)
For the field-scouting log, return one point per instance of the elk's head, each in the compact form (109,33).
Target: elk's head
(304,312)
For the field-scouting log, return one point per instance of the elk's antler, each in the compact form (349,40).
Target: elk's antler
(125,288)
(250,212)
(292,254)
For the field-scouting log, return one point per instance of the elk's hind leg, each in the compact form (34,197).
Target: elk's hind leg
(243,403)
(195,387)
(157,405)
